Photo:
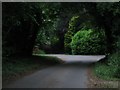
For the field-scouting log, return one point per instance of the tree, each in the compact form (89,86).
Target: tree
(104,15)
(21,22)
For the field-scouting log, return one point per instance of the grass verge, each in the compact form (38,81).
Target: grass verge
(110,69)
(16,67)
(104,71)
(98,80)
(108,72)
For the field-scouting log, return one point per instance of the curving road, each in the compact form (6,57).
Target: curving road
(71,74)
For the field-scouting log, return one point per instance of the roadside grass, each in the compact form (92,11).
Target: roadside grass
(16,67)
(104,71)
(109,68)
(103,77)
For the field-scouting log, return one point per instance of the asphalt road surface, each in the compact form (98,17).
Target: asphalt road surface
(71,74)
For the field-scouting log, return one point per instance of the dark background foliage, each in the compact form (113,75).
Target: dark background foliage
(52,27)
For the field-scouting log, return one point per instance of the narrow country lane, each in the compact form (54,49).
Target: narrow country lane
(71,74)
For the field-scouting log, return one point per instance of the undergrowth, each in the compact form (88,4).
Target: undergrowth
(19,66)
(109,70)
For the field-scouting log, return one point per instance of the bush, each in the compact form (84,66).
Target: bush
(111,70)
(88,42)
(114,60)
(114,63)
(72,29)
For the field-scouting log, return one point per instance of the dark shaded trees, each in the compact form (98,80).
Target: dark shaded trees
(21,22)
(47,38)
(104,15)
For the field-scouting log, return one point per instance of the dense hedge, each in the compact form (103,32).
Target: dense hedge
(88,42)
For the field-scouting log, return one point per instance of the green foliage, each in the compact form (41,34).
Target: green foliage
(39,52)
(110,70)
(104,71)
(88,42)
(114,63)
(47,35)
(21,22)
(108,18)
(71,31)
(15,67)
(109,7)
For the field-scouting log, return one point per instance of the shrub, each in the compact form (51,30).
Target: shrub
(111,70)
(114,63)
(88,42)
(72,29)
